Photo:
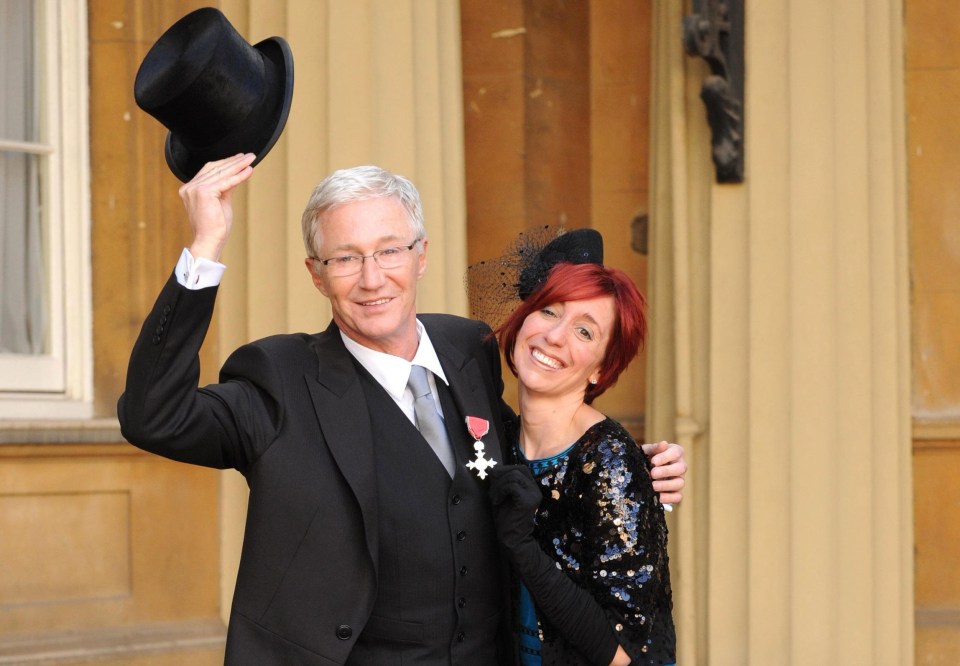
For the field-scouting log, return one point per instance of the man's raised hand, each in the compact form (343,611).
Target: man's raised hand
(206,198)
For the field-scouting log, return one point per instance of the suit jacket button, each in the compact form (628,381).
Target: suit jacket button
(344,632)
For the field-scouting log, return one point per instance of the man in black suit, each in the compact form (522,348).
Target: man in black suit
(364,544)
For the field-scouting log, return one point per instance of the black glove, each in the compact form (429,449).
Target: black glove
(515,498)
(569,607)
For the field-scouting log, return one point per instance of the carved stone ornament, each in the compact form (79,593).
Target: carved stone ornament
(714,32)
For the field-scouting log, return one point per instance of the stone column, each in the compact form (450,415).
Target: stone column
(801,484)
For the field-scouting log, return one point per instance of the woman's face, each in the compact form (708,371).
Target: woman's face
(561,347)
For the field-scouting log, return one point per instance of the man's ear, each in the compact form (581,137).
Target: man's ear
(422,258)
(314,269)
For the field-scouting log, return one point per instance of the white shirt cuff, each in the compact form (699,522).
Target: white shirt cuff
(198,273)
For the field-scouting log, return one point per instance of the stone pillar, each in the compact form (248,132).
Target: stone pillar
(801,484)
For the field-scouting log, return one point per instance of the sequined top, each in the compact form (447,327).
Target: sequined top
(601,520)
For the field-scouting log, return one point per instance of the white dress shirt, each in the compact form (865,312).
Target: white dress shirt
(198,273)
(393,372)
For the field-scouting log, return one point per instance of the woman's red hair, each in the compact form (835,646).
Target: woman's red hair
(577,282)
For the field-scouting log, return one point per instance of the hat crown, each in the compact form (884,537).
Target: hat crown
(217,94)
(201,79)
(180,55)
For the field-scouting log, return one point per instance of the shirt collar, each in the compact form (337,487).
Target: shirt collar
(393,372)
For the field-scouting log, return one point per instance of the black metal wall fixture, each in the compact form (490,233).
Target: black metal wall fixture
(714,32)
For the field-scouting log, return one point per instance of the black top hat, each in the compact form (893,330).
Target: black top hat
(577,246)
(216,94)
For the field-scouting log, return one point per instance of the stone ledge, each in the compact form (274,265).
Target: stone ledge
(67,431)
(937,616)
(924,429)
(71,647)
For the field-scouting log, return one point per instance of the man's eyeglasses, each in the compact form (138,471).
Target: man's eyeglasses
(351,264)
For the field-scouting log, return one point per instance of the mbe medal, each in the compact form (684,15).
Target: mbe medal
(477,428)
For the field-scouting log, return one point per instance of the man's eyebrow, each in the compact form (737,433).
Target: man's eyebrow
(351,247)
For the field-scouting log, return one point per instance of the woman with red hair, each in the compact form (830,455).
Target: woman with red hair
(577,513)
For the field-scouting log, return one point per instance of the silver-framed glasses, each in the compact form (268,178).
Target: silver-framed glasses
(344,265)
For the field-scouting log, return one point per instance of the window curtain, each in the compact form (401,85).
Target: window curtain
(22,307)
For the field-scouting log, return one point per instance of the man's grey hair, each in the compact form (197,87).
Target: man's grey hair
(360,183)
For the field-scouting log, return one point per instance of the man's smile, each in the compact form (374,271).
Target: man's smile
(379,301)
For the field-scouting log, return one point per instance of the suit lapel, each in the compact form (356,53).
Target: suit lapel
(343,417)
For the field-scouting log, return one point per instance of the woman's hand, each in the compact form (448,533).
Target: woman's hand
(668,471)
(515,499)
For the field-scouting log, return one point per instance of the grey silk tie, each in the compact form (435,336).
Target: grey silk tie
(428,420)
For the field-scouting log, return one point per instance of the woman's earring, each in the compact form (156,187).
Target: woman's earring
(593,381)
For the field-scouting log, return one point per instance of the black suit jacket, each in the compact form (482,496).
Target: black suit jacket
(290,414)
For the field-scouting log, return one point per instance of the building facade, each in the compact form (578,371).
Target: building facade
(804,320)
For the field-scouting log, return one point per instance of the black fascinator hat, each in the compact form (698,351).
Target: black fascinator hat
(578,246)
(495,286)
(217,94)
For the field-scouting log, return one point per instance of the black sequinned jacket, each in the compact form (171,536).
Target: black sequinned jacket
(602,521)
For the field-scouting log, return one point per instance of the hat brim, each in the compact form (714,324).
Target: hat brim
(185,162)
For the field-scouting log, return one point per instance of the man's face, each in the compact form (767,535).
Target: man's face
(375,307)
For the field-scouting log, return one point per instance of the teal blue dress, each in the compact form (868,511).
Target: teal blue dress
(529,632)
